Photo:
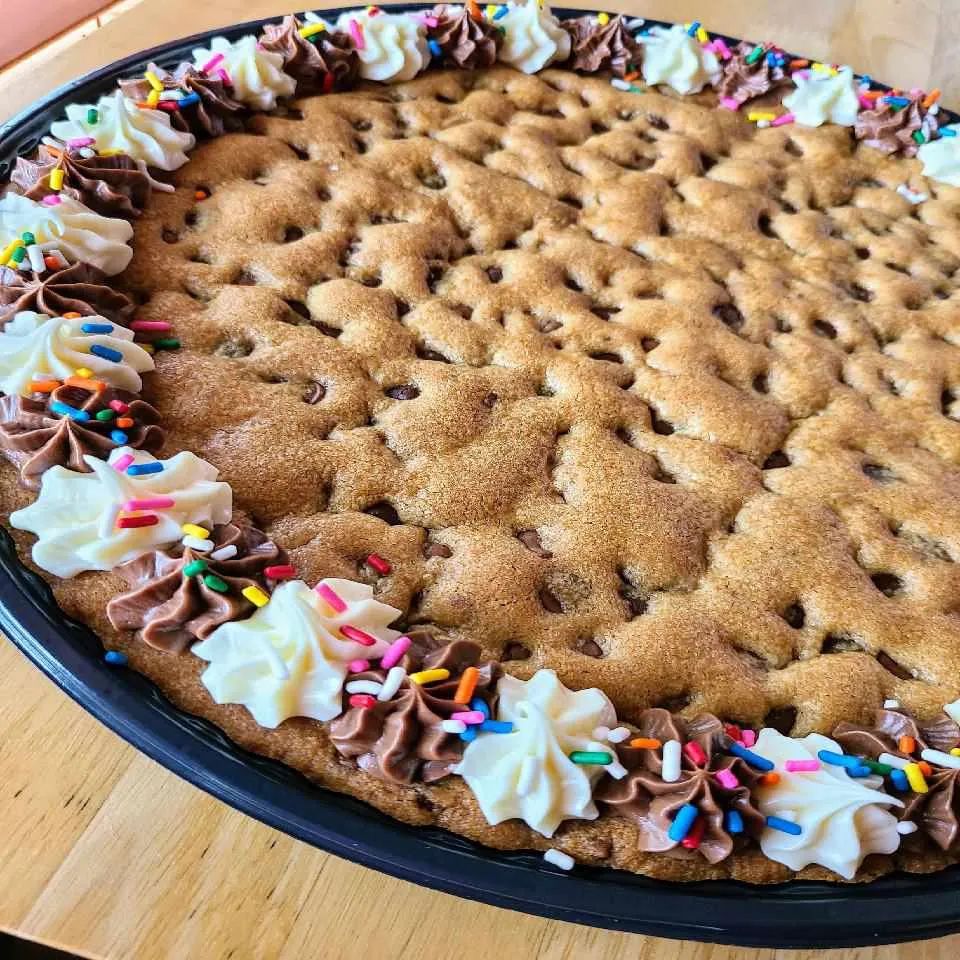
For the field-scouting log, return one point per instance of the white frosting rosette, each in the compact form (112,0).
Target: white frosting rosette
(392,46)
(941,157)
(533,38)
(672,57)
(74,229)
(257,75)
(33,343)
(121,125)
(75,516)
(824,97)
(290,659)
(528,773)
(841,820)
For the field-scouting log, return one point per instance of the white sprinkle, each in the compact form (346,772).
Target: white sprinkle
(891,760)
(225,553)
(763,124)
(952,710)
(935,109)
(87,152)
(620,84)
(635,23)
(108,522)
(35,255)
(391,683)
(528,772)
(910,195)
(600,733)
(453,726)
(364,686)
(616,770)
(559,859)
(53,142)
(671,762)
(195,543)
(891,704)
(906,827)
(940,758)
(618,735)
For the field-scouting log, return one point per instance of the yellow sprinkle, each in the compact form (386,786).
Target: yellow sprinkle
(702,35)
(256,596)
(491,9)
(755,115)
(819,67)
(84,372)
(8,251)
(56,178)
(311,30)
(154,81)
(429,676)
(147,348)
(915,778)
(955,752)
(603,19)
(112,152)
(192,530)
(153,98)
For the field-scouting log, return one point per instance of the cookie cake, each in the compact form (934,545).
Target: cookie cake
(542,428)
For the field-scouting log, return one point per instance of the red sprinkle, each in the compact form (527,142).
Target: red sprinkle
(379,564)
(692,840)
(362,700)
(147,520)
(51,263)
(357,635)
(283,571)
(119,406)
(158,325)
(732,731)
(695,753)
(327,82)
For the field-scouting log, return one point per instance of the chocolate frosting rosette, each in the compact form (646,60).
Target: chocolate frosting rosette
(209,115)
(311,61)
(650,802)
(464,42)
(747,75)
(401,739)
(599,46)
(936,812)
(71,422)
(111,186)
(79,288)
(890,126)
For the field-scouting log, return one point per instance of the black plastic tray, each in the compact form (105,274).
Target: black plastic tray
(802,914)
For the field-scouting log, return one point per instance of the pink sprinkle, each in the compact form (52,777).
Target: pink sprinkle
(356,31)
(78,142)
(431,21)
(749,737)
(156,503)
(865,102)
(357,635)
(158,325)
(720,45)
(118,406)
(379,564)
(51,200)
(695,753)
(801,766)
(124,462)
(358,666)
(331,598)
(468,716)
(729,103)
(783,120)
(211,63)
(394,652)
(362,700)
(225,77)
(726,779)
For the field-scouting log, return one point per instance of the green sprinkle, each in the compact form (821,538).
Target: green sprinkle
(754,55)
(215,583)
(28,238)
(192,569)
(919,137)
(882,768)
(105,416)
(591,756)
(92,115)
(18,255)
(167,343)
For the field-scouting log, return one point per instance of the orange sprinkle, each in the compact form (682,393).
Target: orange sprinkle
(51,263)
(83,383)
(72,315)
(466,686)
(907,745)
(44,386)
(925,768)
(646,743)
(770,779)
(53,151)
(797,64)
(200,195)
(475,14)
(124,422)
(630,77)
(930,99)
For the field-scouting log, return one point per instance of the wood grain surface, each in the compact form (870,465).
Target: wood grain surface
(109,856)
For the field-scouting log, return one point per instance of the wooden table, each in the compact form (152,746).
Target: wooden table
(108,855)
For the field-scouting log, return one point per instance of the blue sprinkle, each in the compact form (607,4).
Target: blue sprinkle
(189,100)
(435,48)
(682,822)
(497,726)
(118,436)
(694,27)
(899,779)
(142,469)
(115,658)
(97,328)
(748,756)
(859,770)
(897,101)
(502,12)
(469,734)
(108,353)
(478,704)
(733,822)
(837,759)
(771,59)
(947,132)
(786,826)
(72,413)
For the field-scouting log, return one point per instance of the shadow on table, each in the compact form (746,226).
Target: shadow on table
(13,948)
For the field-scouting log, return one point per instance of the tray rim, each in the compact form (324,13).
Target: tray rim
(796,915)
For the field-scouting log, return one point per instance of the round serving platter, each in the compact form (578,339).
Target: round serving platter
(803,914)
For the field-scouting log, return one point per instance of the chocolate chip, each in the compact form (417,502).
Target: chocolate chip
(891,666)
(326,329)
(729,314)
(660,426)
(314,393)
(385,512)
(795,616)
(494,274)
(550,602)
(776,461)
(649,343)
(887,583)
(433,181)
(604,313)
(299,308)
(879,473)
(490,400)
(860,293)
(825,329)
(606,356)
(838,643)
(657,123)
(590,648)
(548,324)
(245,279)
(425,353)
(515,651)
(169,236)
(781,719)
(405,391)
(292,234)
(437,550)
(531,540)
